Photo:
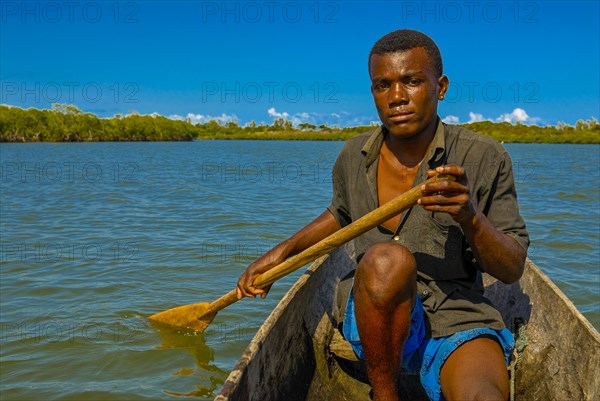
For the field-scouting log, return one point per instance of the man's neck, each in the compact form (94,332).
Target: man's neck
(411,151)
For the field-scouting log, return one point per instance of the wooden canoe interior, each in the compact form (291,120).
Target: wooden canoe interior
(290,357)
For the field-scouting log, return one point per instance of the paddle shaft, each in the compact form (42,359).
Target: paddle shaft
(340,237)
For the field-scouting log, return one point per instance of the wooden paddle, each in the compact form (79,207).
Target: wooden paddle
(198,316)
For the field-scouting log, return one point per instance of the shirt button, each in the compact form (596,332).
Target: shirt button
(396,238)
(425,293)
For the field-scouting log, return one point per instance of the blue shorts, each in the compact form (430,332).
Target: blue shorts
(426,355)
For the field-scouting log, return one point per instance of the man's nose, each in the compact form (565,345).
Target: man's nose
(397,94)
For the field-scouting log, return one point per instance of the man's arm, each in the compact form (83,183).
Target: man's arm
(320,228)
(497,253)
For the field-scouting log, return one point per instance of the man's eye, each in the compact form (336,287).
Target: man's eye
(414,82)
(381,86)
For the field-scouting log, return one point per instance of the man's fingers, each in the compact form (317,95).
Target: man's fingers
(451,169)
(435,200)
(452,210)
(444,198)
(265,291)
(244,290)
(441,200)
(248,293)
(459,185)
(446,187)
(447,196)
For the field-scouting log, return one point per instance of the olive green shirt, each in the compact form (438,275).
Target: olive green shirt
(449,278)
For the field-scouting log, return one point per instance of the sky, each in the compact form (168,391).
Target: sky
(529,61)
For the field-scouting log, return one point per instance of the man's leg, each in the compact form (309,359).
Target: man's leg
(475,371)
(385,287)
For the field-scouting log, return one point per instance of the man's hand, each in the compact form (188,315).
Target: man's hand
(452,197)
(507,262)
(315,231)
(245,286)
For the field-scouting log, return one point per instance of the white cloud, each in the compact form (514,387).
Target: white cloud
(517,115)
(273,113)
(341,118)
(451,120)
(201,118)
(195,118)
(475,117)
(345,118)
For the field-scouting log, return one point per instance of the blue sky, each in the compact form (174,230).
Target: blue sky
(536,62)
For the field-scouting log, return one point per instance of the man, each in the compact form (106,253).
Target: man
(417,299)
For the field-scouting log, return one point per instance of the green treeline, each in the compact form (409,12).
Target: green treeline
(66,123)
(280,129)
(583,132)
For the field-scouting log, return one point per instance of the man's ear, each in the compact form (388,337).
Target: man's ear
(443,83)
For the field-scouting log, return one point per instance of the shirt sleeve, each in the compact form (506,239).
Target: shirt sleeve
(339,202)
(501,207)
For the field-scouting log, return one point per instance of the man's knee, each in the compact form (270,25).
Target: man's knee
(387,271)
(388,259)
(483,392)
(475,371)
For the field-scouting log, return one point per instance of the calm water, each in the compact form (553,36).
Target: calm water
(96,237)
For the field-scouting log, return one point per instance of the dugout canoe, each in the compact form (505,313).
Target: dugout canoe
(298,353)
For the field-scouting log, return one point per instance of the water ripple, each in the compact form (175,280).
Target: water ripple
(86,259)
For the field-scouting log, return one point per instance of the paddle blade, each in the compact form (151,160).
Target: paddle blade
(193,316)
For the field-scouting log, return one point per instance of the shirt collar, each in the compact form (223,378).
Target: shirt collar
(437,148)
(434,153)
(373,145)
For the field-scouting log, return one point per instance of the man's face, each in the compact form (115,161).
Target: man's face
(406,90)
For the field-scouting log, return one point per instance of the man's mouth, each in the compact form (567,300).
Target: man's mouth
(401,116)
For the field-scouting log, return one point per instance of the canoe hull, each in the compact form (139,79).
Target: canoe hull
(290,358)
(562,349)
(296,336)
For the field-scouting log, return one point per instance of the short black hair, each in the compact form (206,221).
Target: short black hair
(406,39)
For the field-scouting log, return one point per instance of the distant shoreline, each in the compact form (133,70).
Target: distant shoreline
(65,123)
(343,140)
